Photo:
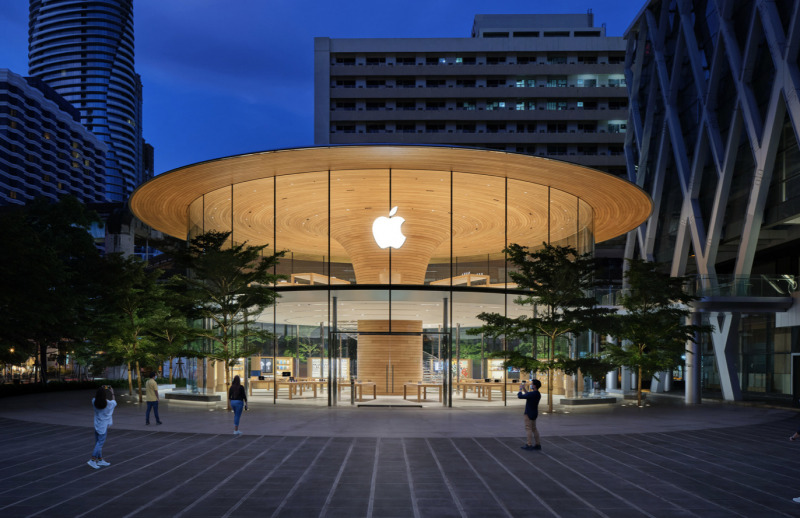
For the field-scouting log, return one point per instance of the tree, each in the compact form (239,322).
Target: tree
(653,322)
(172,334)
(130,309)
(228,285)
(47,265)
(560,283)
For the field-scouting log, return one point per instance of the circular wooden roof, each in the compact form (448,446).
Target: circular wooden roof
(420,182)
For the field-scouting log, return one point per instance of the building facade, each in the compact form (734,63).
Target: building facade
(542,85)
(44,150)
(84,49)
(391,252)
(713,139)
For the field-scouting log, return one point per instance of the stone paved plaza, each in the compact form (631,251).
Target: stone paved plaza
(663,461)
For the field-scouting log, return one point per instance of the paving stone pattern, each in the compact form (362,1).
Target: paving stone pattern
(749,471)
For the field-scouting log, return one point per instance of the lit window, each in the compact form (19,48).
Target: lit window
(459,60)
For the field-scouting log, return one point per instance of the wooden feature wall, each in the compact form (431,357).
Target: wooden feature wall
(401,354)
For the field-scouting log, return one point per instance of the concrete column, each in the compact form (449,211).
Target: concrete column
(692,370)
(611,381)
(628,380)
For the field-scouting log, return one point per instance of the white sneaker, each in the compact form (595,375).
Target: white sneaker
(796,499)
(101,462)
(93,464)
(237,432)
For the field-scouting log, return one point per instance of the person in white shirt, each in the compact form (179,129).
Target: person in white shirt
(104,405)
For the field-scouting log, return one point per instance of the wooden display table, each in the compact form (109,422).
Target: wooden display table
(482,388)
(470,279)
(422,390)
(359,388)
(314,278)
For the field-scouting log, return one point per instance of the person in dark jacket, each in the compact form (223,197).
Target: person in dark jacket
(531,398)
(238,399)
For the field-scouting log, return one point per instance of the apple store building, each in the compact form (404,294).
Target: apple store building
(391,253)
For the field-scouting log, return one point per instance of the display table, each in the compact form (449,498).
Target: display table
(470,279)
(482,388)
(422,390)
(260,384)
(359,389)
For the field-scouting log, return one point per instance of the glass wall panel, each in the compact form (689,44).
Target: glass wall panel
(301,227)
(563,219)
(361,205)
(479,234)
(195,218)
(422,198)
(217,207)
(585,227)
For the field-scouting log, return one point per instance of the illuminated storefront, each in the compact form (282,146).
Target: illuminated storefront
(392,251)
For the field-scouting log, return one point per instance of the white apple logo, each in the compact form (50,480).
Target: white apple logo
(386,231)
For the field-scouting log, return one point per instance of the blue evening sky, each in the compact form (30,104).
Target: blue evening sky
(223,77)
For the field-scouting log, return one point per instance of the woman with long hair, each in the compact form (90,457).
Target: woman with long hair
(238,399)
(104,405)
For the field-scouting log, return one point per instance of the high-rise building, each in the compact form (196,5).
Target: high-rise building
(545,85)
(84,49)
(714,140)
(44,151)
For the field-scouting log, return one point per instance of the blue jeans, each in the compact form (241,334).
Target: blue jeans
(99,440)
(154,406)
(237,405)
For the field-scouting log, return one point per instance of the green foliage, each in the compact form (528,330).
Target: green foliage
(130,308)
(595,367)
(47,265)
(652,327)
(560,283)
(229,284)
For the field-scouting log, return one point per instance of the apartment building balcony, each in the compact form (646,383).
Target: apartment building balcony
(454,114)
(480,92)
(455,69)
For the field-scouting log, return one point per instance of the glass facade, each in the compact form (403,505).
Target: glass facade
(355,320)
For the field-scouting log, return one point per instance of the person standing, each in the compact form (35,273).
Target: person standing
(238,399)
(151,396)
(104,405)
(532,398)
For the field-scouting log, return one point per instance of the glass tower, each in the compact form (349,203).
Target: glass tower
(83,49)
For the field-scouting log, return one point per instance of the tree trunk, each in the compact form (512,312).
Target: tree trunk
(170,369)
(139,380)
(43,363)
(550,375)
(228,380)
(130,380)
(639,387)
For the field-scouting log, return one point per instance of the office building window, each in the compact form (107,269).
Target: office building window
(466,105)
(435,105)
(556,59)
(520,105)
(406,105)
(376,128)
(459,60)
(406,60)
(495,105)
(406,83)
(406,128)
(376,83)
(465,128)
(345,83)
(434,127)
(467,83)
(526,60)
(435,83)
(496,60)
(431,60)
(557,127)
(556,105)
(557,81)
(616,81)
(587,60)
(531,105)
(617,127)
(346,106)
(376,105)
(376,61)
(587,127)
(556,149)
(494,83)
(584,149)
(345,128)
(345,60)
